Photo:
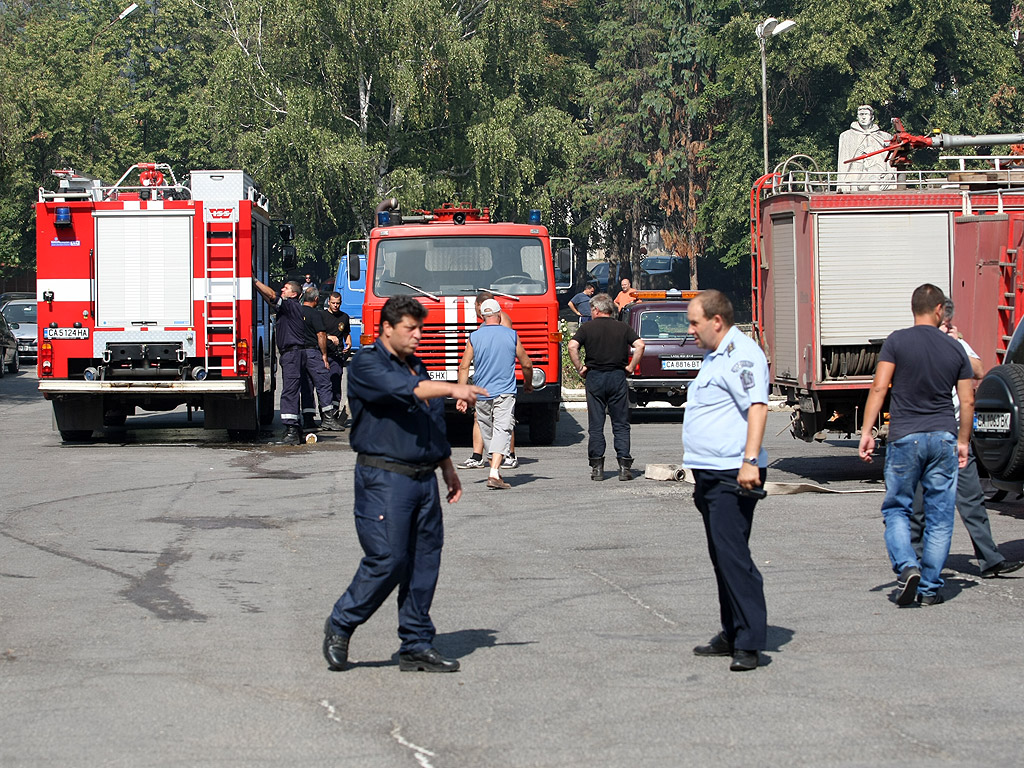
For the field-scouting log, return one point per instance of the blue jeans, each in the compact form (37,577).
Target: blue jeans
(928,458)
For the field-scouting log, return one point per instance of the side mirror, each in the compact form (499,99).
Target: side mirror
(289,257)
(353,267)
(564,260)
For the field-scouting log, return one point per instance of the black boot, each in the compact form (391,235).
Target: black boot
(625,473)
(331,424)
(307,422)
(292,435)
(597,469)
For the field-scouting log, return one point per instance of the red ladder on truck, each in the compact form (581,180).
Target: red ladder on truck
(220,287)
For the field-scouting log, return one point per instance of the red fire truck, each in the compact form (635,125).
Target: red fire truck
(145,299)
(444,257)
(834,266)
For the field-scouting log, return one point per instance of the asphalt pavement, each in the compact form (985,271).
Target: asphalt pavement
(163,592)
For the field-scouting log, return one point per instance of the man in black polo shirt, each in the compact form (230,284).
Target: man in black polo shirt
(316,366)
(290,344)
(399,433)
(607,342)
(339,345)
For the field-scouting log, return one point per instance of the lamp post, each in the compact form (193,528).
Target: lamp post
(770,27)
(120,17)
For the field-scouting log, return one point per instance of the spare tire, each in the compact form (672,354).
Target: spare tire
(998,411)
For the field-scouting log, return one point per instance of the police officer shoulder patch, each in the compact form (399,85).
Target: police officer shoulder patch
(747,378)
(742,364)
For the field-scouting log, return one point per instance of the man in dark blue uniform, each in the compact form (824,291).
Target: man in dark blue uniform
(291,345)
(315,363)
(399,433)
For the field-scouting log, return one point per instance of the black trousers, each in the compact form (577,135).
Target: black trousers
(727,522)
(607,392)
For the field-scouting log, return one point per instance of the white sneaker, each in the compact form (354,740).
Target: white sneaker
(511,462)
(472,463)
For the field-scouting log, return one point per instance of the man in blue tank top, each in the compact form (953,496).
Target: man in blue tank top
(493,350)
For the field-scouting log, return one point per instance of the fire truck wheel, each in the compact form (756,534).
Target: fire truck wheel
(1001,452)
(543,424)
(266,405)
(75,435)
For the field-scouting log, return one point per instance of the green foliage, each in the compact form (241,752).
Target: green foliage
(615,118)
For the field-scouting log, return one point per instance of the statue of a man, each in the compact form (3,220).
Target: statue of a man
(864,136)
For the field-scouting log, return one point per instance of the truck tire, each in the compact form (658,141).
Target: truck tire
(75,435)
(1002,453)
(543,423)
(266,398)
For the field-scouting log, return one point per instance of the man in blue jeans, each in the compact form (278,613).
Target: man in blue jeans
(926,446)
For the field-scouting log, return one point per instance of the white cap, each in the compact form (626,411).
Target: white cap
(490,307)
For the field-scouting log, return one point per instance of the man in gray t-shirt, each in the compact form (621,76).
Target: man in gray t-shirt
(925,443)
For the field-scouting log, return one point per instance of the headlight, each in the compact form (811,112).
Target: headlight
(539,379)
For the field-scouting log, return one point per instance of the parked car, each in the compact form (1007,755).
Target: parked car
(665,272)
(21,315)
(671,358)
(598,274)
(12,295)
(8,349)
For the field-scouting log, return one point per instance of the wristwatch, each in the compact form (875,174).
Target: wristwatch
(750,460)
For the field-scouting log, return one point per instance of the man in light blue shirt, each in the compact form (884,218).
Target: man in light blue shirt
(726,412)
(494,348)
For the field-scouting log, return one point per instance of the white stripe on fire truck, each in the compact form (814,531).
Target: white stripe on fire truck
(73,289)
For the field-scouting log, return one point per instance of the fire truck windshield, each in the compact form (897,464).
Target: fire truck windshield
(460,265)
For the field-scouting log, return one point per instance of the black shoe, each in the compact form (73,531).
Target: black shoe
(307,421)
(1007,566)
(328,422)
(292,435)
(717,646)
(743,661)
(335,648)
(597,469)
(625,473)
(935,599)
(426,661)
(906,585)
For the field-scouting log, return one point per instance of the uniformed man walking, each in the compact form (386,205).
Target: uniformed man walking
(339,346)
(398,431)
(726,412)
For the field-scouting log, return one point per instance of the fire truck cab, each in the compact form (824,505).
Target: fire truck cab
(443,258)
(146,301)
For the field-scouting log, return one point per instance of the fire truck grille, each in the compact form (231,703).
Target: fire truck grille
(442,344)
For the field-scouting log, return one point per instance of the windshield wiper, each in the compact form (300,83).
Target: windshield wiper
(416,288)
(490,291)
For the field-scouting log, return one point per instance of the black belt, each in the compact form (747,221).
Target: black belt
(415,471)
(290,347)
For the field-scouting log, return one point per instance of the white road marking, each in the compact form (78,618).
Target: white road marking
(420,753)
(628,594)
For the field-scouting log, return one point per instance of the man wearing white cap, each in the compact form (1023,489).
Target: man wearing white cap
(493,350)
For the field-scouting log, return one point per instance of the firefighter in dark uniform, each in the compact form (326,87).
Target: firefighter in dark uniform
(315,363)
(291,345)
(398,431)
(339,346)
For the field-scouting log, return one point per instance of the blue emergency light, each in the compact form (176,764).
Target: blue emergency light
(535,216)
(62,216)
(383,219)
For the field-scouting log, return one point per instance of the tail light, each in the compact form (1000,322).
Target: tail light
(46,359)
(243,356)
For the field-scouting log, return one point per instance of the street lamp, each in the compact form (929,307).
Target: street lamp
(770,27)
(120,17)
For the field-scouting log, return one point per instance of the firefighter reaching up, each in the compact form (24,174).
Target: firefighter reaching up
(291,342)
